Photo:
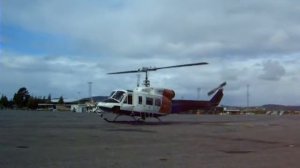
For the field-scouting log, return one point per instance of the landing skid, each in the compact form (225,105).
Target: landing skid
(135,118)
(115,119)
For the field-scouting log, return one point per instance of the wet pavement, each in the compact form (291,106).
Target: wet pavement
(65,139)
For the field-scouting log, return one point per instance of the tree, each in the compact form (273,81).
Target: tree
(4,101)
(61,100)
(21,97)
(33,103)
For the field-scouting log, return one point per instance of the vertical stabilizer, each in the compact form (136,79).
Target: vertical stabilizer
(216,99)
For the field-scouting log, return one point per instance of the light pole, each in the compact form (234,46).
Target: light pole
(78,97)
(198,93)
(248,95)
(90,91)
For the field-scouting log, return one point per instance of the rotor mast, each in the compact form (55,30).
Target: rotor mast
(146,81)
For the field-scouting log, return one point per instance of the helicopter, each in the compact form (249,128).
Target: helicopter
(150,102)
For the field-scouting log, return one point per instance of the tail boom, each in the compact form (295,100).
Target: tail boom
(187,105)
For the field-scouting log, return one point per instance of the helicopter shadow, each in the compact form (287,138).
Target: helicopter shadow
(160,123)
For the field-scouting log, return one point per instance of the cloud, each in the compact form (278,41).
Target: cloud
(272,70)
(43,75)
(245,42)
(147,28)
(68,76)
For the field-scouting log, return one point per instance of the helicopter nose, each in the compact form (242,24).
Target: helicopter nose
(103,107)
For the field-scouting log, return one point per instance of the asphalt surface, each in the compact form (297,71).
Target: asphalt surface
(30,139)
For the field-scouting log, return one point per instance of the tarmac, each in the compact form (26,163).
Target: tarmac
(30,139)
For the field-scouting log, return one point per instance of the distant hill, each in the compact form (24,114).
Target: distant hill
(281,107)
(95,99)
(268,107)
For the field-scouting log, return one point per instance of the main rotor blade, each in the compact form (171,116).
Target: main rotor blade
(181,65)
(146,69)
(122,72)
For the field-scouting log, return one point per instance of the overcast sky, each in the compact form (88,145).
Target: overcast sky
(56,47)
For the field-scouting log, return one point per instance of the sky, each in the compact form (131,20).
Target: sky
(56,47)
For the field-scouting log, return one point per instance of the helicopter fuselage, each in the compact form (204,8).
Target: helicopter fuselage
(142,101)
(147,102)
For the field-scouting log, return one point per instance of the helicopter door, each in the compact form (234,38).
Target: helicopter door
(127,104)
(152,105)
(140,105)
(149,104)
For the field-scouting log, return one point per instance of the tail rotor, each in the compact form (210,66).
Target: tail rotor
(216,89)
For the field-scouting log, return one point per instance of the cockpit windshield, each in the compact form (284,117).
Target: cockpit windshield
(118,95)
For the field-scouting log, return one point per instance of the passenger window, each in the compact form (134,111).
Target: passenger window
(157,102)
(149,101)
(140,100)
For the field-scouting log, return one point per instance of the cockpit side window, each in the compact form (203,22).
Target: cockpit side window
(129,98)
(112,93)
(125,100)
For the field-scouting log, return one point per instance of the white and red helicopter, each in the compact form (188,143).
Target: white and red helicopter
(145,101)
